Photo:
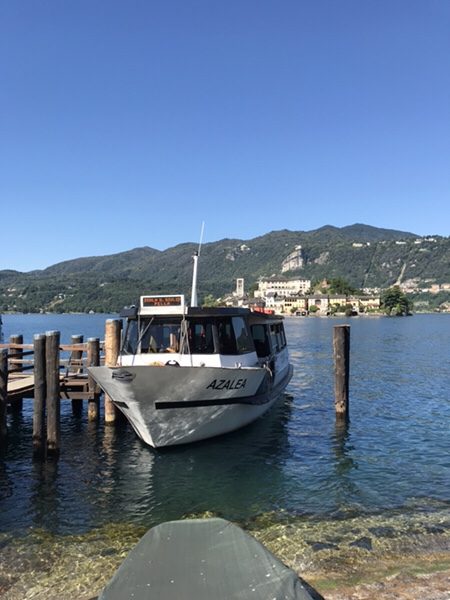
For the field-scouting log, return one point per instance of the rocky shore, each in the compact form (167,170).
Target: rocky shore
(383,557)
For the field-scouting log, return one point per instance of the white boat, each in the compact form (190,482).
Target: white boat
(187,373)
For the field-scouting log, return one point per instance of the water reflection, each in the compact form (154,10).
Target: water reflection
(346,489)
(231,475)
(45,501)
(342,449)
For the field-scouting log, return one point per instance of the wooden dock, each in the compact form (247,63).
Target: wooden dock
(49,372)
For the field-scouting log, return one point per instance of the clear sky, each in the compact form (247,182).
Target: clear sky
(126,124)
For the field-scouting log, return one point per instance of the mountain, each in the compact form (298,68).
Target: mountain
(363,255)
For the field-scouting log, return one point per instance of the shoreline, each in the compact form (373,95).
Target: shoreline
(367,557)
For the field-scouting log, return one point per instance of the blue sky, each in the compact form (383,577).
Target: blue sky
(126,124)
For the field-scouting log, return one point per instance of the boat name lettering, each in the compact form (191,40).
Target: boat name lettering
(227,384)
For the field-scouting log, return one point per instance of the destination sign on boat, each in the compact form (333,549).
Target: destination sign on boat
(162,304)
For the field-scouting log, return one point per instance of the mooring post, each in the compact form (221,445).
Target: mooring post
(76,357)
(16,354)
(40,392)
(341,350)
(53,400)
(3,393)
(93,360)
(113,329)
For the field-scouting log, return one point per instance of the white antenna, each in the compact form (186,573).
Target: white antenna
(194,301)
(201,237)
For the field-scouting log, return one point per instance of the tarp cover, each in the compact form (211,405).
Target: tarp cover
(202,559)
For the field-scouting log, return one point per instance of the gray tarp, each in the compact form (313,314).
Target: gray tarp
(203,559)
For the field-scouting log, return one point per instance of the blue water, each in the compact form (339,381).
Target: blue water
(394,453)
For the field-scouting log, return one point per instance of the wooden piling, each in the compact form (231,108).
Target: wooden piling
(40,392)
(93,360)
(341,350)
(112,348)
(15,354)
(76,357)
(3,393)
(53,402)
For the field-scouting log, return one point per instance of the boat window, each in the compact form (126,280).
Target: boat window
(277,336)
(273,337)
(261,340)
(130,338)
(225,334)
(160,335)
(244,341)
(200,337)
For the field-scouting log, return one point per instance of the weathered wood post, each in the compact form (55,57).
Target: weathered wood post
(3,393)
(113,329)
(16,354)
(93,360)
(40,392)
(341,350)
(76,357)
(53,401)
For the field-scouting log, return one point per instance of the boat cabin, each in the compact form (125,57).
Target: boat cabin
(164,324)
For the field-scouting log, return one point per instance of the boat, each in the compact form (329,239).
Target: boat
(188,373)
(204,559)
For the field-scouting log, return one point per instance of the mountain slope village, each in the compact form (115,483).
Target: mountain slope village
(291,296)
(295,296)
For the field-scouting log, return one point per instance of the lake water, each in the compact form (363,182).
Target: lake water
(393,457)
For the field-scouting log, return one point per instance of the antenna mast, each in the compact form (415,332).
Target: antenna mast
(194,301)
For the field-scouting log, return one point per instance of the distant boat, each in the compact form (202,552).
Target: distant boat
(188,373)
(204,559)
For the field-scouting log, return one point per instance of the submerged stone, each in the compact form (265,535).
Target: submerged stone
(316,546)
(365,543)
(383,532)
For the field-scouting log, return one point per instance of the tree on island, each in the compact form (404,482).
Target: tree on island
(209,301)
(395,302)
(339,285)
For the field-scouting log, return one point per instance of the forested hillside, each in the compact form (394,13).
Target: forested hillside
(365,256)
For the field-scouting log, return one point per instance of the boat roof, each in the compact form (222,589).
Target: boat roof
(201,312)
(175,305)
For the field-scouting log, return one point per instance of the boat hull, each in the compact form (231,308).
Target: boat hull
(168,405)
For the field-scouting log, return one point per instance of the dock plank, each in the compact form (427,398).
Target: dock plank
(17,385)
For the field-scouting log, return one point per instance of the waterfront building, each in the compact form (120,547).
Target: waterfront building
(295,304)
(320,301)
(282,286)
(367,303)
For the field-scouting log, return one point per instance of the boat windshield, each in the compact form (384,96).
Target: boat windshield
(218,335)
(152,335)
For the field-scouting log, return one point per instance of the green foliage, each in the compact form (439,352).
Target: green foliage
(338,285)
(210,301)
(428,301)
(395,302)
(348,310)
